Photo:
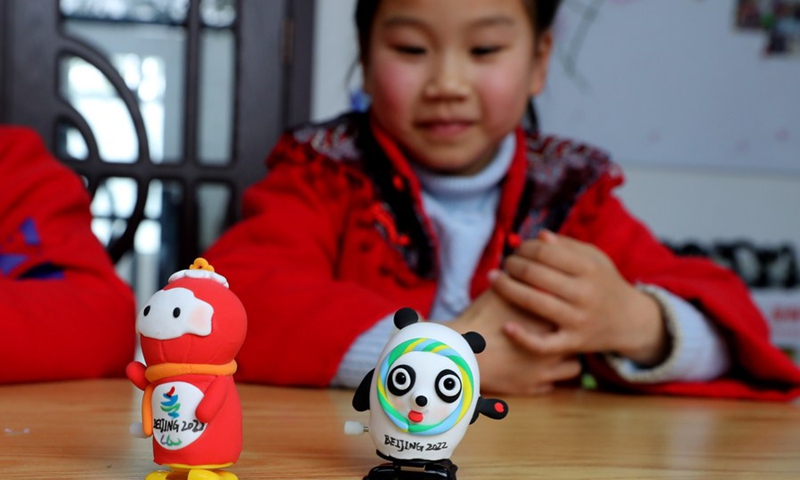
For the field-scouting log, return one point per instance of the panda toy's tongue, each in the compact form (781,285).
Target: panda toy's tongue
(415,417)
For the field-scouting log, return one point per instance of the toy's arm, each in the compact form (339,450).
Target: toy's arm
(493,408)
(213,399)
(361,397)
(135,373)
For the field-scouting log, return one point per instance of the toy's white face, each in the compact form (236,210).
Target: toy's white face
(172,313)
(424,387)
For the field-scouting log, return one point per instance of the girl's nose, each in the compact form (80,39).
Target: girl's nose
(448,81)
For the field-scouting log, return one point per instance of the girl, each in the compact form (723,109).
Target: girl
(421,200)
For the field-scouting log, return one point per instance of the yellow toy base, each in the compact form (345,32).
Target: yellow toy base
(192,474)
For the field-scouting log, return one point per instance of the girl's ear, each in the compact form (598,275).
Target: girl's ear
(541,61)
(366,82)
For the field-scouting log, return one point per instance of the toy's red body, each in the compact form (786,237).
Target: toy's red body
(220,440)
(190,333)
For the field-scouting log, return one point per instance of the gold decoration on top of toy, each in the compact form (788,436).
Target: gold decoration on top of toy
(200,269)
(201,263)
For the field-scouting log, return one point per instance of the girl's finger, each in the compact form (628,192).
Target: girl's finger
(556,254)
(566,370)
(555,343)
(542,277)
(532,300)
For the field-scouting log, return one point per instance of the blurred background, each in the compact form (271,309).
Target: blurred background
(168,108)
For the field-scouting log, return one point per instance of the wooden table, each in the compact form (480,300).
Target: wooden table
(80,430)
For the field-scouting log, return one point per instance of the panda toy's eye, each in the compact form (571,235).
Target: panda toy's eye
(146,311)
(401,380)
(448,386)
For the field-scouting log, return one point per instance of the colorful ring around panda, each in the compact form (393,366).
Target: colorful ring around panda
(431,346)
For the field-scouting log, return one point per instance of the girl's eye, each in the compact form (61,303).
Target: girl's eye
(409,49)
(484,50)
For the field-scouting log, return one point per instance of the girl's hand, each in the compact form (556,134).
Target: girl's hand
(576,287)
(506,367)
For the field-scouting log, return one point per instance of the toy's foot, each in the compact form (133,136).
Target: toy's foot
(201,474)
(161,475)
(414,470)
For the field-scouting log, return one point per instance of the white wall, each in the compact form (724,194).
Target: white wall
(710,96)
(335,51)
(678,203)
(681,204)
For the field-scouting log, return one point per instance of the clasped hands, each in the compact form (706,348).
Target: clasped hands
(554,299)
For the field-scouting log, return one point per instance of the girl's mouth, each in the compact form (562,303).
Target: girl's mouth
(445,128)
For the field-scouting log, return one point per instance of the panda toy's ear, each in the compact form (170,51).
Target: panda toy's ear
(405,317)
(475,341)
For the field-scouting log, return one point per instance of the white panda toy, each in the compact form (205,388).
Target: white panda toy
(422,395)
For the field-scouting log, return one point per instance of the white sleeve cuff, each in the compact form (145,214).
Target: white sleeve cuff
(699,353)
(363,354)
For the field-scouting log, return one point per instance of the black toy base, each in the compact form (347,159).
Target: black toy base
(414,470)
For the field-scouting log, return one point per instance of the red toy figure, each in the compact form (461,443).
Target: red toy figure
(190,333)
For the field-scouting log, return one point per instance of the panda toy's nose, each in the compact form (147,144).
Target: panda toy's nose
(421,400)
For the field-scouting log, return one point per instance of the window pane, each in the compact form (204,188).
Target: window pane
(150,58)
(141,11)
(112,206)
(218,13)
(216,96)
(213,200)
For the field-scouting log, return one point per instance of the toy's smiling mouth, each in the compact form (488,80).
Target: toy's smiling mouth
(415,417)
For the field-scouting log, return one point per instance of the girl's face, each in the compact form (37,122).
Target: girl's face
(450,78)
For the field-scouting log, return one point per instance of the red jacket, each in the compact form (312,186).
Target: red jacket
(66,314)
(335,238)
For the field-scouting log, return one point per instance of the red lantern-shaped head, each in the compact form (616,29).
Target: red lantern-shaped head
(195,319)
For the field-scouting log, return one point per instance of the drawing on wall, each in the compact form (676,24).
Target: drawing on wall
(779,19)
(571,38)
(573,33)
(682,83)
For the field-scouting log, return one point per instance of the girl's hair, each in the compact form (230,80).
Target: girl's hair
(540,12)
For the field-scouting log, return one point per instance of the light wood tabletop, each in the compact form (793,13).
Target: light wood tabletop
(80,430)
